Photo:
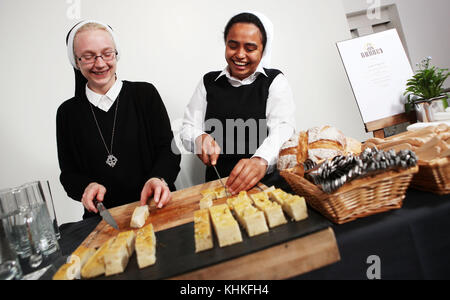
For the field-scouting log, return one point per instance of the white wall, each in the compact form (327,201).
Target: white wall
(170,43)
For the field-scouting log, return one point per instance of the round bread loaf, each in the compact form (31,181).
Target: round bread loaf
(325,142)
(293,151)
(317,144)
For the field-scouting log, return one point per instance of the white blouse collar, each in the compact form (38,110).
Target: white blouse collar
(104,102)
(246,81)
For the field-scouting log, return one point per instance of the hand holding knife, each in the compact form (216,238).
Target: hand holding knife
(220,179)
(207,149)
(105,214)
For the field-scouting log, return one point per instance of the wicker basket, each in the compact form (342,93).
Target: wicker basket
(356,199)
(433,176)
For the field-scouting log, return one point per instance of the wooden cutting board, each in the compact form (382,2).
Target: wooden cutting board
(285,260)
(179,211)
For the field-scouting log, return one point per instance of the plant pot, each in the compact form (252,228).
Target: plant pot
(409,107)
(426,109)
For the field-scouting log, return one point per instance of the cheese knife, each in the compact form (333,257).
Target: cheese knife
(105,214)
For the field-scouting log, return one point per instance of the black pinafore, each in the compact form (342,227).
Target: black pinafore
(236,118)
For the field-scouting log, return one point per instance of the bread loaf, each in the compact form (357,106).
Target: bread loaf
(316,144)
(428,143)
(72,269)
(432,149)
(353,146)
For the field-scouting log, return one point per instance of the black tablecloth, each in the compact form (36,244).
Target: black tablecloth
(411,243)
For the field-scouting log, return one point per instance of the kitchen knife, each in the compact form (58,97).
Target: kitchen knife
(220,179)
(105,214)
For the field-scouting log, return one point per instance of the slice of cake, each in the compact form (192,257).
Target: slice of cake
(140,215)
(250,218)
(294,206)
(95,266)
(72,269)
(225,226)
(119,252)
(272,210)
(202,231)
(146,246)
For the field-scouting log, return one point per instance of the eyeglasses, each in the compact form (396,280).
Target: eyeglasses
(87,59)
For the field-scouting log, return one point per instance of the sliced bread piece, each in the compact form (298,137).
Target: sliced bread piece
(146,246)
(202,231)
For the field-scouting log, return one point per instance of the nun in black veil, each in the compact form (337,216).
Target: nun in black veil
(114,136)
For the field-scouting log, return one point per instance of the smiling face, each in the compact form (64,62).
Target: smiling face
(244,49)
(101,75)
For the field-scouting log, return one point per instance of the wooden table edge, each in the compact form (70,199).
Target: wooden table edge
(283,261)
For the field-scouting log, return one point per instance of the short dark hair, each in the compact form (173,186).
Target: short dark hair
(247,18)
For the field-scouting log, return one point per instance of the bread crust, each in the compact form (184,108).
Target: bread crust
(316,144)
(302,148)
(202,231)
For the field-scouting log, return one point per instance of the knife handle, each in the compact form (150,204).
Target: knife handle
(96,204)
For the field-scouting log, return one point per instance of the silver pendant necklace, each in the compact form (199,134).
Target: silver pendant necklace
(111,160)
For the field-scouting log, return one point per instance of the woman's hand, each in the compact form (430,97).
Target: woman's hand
(93,190)
(160,191)
(246,174)
(207,149)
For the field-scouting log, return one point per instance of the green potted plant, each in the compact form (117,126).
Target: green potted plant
(425,88)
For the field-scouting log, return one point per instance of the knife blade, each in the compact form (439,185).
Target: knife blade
(220,179)
(105,214)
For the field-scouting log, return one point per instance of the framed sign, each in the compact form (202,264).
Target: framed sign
(378,68)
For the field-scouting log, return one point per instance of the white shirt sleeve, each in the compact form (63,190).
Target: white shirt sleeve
(194,117)
(280,113)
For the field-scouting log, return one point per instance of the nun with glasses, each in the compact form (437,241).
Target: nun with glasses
(238,118)
(114,136)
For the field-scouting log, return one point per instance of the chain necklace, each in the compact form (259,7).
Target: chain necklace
(111,160)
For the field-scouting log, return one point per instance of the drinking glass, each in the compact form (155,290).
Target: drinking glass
(45,195)
(32,197)
(9,263)
(28,226)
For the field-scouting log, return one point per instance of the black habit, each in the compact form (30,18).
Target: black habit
(143,145)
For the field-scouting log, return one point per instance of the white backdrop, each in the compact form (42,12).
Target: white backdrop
(170,43)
